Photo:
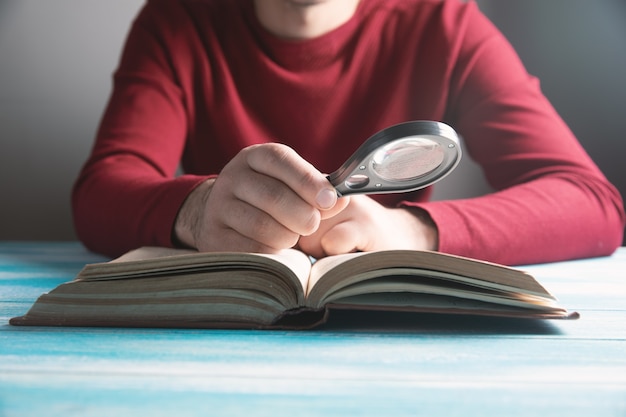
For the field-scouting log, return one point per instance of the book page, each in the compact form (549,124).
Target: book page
(324,265)
(288,265)
(378,285)
(336,272)
(151,252)
(297,261)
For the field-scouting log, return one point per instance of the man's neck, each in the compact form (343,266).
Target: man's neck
(303,19)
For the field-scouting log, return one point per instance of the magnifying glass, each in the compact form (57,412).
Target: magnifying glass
(404,157)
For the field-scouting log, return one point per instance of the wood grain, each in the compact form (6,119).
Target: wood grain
(359,364)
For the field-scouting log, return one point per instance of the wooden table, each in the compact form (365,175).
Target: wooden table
(357,365)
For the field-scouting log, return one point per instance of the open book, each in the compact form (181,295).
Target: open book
(159,287)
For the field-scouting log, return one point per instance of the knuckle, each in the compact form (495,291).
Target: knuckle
(275,194)
(310,222)
(307,179)
(270,234)
(262,156)
(291,240)
(265,230)
(262,228)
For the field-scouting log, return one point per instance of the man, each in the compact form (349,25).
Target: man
(260,98)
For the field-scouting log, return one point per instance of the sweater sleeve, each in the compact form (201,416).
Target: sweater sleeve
(551,201)
(127,194)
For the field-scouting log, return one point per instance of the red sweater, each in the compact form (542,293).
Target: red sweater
(201,79)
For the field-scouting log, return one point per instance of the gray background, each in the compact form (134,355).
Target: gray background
(56,60)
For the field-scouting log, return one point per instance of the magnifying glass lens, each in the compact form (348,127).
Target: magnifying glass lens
(400,158)
(407,158)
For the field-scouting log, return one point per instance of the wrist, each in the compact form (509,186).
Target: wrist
(425,228)
(190,215)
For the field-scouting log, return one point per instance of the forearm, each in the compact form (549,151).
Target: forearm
(549,219)
(114,213)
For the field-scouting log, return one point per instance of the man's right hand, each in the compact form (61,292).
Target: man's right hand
(264,199)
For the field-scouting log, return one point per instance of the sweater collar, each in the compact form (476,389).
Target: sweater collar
(308,54)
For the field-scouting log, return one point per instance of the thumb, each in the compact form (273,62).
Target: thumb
(339,206)
(344,237)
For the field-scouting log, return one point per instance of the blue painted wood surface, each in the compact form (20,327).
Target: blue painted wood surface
(360,364)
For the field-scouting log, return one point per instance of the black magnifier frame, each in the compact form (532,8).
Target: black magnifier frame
(401,158)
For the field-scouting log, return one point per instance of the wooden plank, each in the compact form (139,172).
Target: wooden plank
(598,283)
(343,371)
(357,365)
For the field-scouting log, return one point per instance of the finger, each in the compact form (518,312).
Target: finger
(283,163)
(279,201)
(229,240)
(255,224)
(344,237)
(311,246)
(335,239)
(340,206)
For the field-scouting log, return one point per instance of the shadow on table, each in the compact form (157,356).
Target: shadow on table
(426,323)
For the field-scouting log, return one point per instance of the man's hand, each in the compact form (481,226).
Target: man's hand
(264,200)
(365,225)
